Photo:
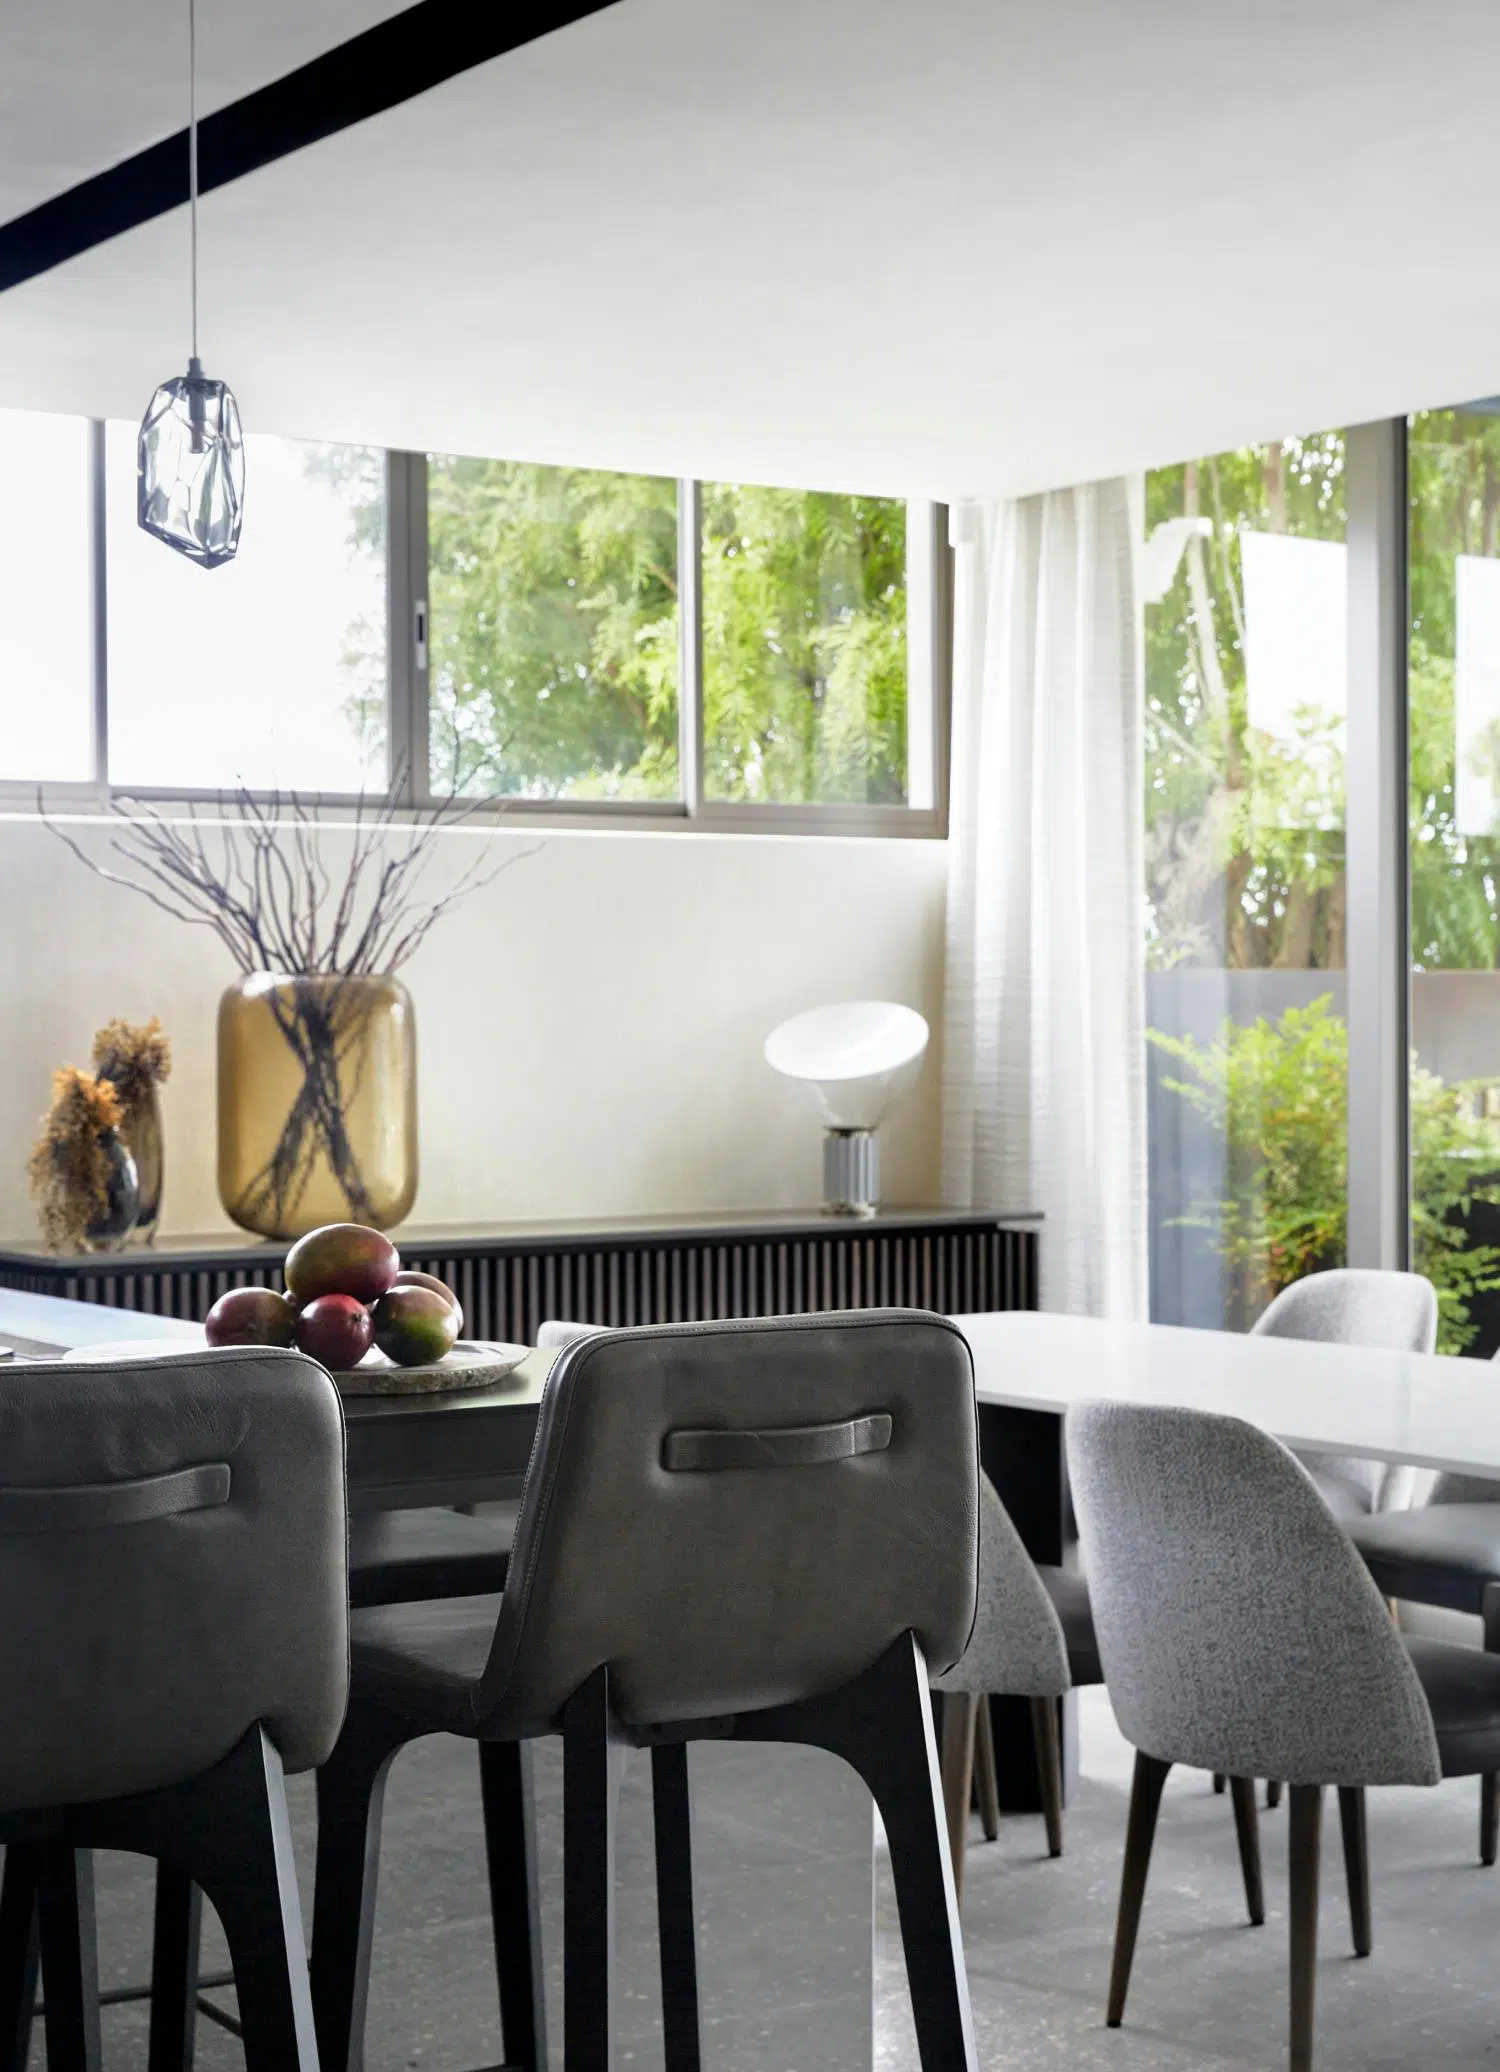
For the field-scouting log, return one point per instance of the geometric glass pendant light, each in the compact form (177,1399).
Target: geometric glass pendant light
(190,452)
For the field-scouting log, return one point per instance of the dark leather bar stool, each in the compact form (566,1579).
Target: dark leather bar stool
(408,1557)
(1288,1665)
(175,1612)
(705,1549)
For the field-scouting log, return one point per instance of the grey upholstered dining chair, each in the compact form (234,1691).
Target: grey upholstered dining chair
(175,1612)
(1361,1306)
(1017,1650)
(1446,1552)
(757,1531)
(1241,1633)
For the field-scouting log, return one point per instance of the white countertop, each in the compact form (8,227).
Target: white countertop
(1432,1410)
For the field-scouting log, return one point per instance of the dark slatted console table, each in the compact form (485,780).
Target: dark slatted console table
(629,1270)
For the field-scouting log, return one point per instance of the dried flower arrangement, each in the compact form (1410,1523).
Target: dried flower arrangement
(136,1059)
(71,1168)
(252,869)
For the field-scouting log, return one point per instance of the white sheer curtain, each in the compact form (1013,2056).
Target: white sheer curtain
(1043,1069)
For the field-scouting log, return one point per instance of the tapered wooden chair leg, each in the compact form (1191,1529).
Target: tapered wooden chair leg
(175,1941)
(1048,1739)
(1219,1782)
(1273,1793)
(960,1714)
(510,1898)
(1304,1845)
(594,1758)
(1356,1865)
(1247,1832)
(70,1957)
(984,1773)
(1140,1832)
(20,1956)
(672,1816)
(1489,1817)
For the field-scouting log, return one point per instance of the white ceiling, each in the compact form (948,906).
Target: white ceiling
(84,83)
(972,246)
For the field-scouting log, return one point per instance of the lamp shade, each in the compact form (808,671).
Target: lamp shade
(855,1058)
(190,468)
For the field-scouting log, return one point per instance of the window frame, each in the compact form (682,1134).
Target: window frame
(929,690)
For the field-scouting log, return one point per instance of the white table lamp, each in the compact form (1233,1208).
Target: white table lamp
(855,1058)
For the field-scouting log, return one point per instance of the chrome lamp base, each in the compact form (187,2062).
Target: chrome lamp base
(851,1173)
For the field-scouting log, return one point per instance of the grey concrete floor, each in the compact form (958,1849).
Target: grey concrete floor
(1209,1993)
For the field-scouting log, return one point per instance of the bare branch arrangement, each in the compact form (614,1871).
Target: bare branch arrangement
(252,869)
(266,896)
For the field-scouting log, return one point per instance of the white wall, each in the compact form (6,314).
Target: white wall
(589,1026)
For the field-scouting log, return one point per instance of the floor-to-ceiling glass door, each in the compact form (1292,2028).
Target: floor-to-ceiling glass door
(1246,627)
(1453,693)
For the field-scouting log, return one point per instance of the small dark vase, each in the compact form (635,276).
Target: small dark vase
(122,1196)
(141,1134)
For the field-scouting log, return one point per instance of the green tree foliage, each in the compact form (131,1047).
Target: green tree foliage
(1246,868)
(1244,833)
(555,636)
(1276,1092)
(1454,476)
(804,646)
(553,597)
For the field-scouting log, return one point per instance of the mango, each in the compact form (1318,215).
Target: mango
(341,1259)
(415,1327)
(334,1330)
(250,1316)
(410,1278)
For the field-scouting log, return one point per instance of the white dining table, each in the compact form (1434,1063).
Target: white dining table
(1432,1410)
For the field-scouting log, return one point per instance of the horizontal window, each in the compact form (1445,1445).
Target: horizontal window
(804,647)
(554,643)
(430,626)
(271,671)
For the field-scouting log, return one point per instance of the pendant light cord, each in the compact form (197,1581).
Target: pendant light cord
(193,159)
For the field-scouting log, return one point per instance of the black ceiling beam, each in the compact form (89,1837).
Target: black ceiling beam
(393,62)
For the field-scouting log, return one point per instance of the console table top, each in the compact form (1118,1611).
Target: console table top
(601,1233)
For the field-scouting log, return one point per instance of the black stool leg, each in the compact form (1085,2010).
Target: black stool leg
(1304,1838)
(594,1759)
(1356,1865)
(510,1897)
(175,1941)
(1247,1832)
(1140,1833)
(228,1832)
(881,1724)
(20,1955)
(70,1957)
(351,1799)
(672,1816)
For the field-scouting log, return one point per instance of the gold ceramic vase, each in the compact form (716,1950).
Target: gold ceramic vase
(317,1102)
